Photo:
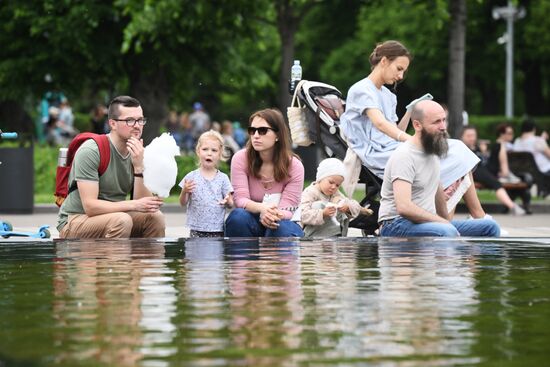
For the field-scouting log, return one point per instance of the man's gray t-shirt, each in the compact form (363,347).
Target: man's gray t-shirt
(114,185)
(410,164)
(204,213)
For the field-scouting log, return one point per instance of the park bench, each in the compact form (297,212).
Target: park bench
(524,162)
(514,190)
(507,186)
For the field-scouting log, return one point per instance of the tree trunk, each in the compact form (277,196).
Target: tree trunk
(455,86)
(287,25)
(533,88)
(151,89)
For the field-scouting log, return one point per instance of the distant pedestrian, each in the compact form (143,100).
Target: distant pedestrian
(98,120)
(239,134)
(231,146)
(536,145)
(484,176)
(173,126)
(187,140)
(199,120)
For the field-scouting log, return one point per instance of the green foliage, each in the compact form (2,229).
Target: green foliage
(418,25)
(537,31)
(227,53)
(206,49)
(45,166)
(73,41)
(82,121)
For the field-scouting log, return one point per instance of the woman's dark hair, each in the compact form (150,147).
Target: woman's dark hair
(501,128)
(282,155)
(390,50)
(125,101)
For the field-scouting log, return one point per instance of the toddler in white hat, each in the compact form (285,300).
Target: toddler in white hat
(325,211)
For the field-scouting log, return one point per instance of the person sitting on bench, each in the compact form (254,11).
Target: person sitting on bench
(484,176)
(536,145)
(497,162)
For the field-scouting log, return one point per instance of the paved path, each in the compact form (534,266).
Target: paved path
(536,225)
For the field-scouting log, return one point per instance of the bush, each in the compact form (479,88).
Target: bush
(45,166)
(82,121)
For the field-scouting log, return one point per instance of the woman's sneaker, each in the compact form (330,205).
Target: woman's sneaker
(511,178)
(517,210)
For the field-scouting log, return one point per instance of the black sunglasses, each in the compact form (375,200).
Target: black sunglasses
(132,121)
(261,130)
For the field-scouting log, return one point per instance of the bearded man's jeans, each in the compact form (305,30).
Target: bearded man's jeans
(401,227)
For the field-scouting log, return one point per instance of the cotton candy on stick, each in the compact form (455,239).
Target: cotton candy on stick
(160,168)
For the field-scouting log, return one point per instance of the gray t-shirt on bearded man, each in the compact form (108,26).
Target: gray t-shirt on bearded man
(412,165)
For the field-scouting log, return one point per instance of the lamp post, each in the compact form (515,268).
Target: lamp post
(510,13)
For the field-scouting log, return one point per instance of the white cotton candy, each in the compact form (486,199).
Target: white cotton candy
(160,168)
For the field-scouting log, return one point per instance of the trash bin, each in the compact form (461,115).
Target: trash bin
(16,180)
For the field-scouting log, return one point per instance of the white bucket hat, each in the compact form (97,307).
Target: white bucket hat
(330,167)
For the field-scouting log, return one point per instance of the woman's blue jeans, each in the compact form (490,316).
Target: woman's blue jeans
(242,223)
(401,227)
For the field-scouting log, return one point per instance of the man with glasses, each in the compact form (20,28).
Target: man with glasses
(98,208)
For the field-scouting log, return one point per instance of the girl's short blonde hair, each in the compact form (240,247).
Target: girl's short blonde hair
(211,135)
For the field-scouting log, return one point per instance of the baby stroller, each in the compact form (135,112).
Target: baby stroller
(325,104)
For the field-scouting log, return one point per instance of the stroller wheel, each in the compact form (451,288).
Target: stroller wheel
(370,232)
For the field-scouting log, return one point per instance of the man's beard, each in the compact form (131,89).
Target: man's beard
(435,143)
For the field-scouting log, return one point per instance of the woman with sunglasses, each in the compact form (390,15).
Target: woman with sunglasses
(268,179)
(371,126)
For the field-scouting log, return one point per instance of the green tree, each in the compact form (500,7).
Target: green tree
(75,42)
(173,44)
(235,56)
(418,25)
(533,56)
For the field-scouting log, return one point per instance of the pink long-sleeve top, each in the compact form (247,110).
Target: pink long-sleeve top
(249,188)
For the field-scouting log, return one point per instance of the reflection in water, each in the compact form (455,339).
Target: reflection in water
(158,307)
(408,303)
(115,298)
(268,303)
(265,299)
(204,290)
(425,291)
